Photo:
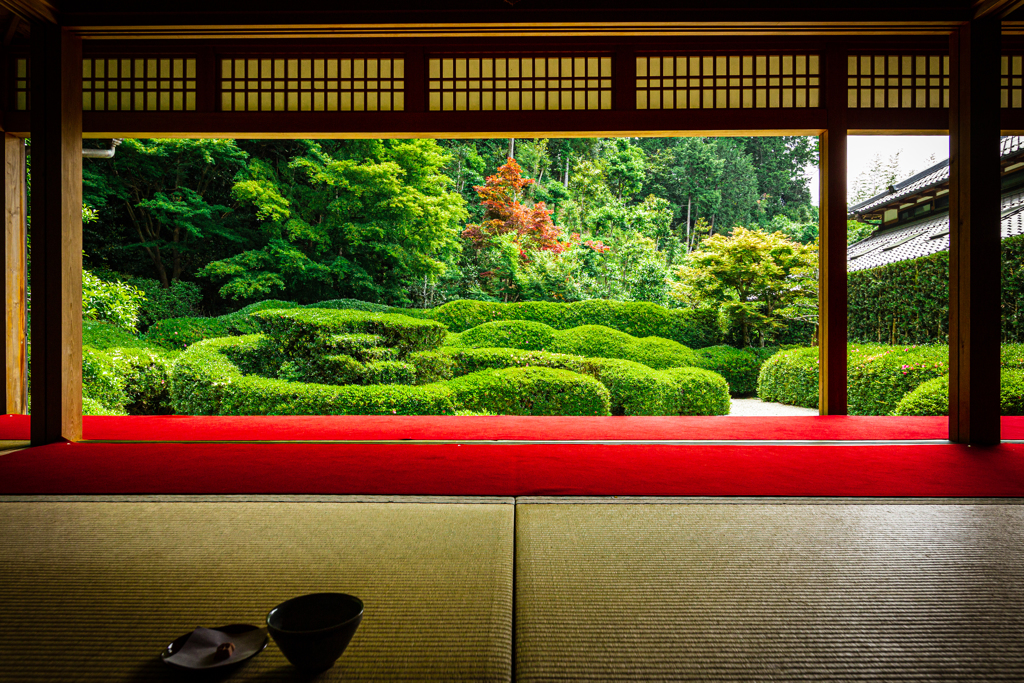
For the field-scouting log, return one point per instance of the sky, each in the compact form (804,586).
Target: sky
(861,149)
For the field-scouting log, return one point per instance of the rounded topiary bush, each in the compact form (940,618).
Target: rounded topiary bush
(932,397)
(739,367)
(700,392)
(530,391)
(929,398)
(790,377)
(509,334)
(205,381)
(879,376)
(691,328)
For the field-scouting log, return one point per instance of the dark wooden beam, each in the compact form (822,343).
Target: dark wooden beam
(13,256)
(974,239)
(56,272)
(995,8)
(832,244)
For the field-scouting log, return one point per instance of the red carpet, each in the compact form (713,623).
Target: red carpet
(360,428)
(511,470)
(653,469)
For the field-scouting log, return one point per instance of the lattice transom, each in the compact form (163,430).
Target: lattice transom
(138,84)
(297,84)
(1012,82)
(727,81)
(520,83)
(22,96)
(898,81)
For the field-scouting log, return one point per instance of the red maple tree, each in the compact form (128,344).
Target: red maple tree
(502,195)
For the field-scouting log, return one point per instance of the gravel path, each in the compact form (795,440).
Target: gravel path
(757,407)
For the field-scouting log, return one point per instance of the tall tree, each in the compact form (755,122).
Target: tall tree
(363,219)
(168,200)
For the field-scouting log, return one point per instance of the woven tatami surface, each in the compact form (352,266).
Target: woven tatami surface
(94,591)
(769,592)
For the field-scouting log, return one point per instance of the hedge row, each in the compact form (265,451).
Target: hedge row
(587,340)
(206,381)
(306,332)
(635,389)
(692,328)
(908,302)
(878,377)
(119,381)
(739,367)
(932,397)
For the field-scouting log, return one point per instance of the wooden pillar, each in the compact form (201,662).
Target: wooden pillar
(56,272)
(974,236)
(13,256)
(832,243)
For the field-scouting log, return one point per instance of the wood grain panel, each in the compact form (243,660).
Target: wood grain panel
(13,257)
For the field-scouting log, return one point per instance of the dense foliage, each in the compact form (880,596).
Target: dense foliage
(880,378)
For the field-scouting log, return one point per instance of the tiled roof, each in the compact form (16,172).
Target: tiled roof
(925,237)
(936,175)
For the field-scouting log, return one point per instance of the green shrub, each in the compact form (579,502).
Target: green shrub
(355,305)
(110,301)
(180,333)
(790,377)
(91,406)
(691,328)
(530,391)
(1011,392)
(145,376)
(586,340)
(700,392)
(103,335)
(431,366)
(101,380)
(739,367)
(634,389)
(204,381)
(509,334)
(180,300)
(239,322)
(303,332)
(932,397)
(1011,356)
(878,377)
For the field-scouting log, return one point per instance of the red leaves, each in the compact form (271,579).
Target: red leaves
(502,196)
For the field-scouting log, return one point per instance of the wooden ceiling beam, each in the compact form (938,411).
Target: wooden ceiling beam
(996,8)
(31,10)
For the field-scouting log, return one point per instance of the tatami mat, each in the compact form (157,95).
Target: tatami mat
(769,592)
(93,592)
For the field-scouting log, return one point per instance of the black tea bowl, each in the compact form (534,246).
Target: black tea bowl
(313,630)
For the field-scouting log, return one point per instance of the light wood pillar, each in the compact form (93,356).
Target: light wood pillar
(13,256)
(56,272)
(832,243)
(974,236)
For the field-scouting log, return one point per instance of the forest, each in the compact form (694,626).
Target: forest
(418,223)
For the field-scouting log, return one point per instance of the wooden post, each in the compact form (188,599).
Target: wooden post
(832,243)
(56,235)
(13,256)
(974,236)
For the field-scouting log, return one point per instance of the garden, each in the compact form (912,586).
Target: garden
(398,278)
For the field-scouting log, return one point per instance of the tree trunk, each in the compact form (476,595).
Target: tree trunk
(565,183)
(511,148)
(689,244)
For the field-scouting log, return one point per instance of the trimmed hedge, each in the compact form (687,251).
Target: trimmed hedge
(932,397)
(102,335)
(790,377)
(692,328)
(908,302)
(133,381)
(635,389)
(303,332)
(531,391)
(592,341)
(739,367)
(205,381)
(701,392)
(180,333)
(879,377)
